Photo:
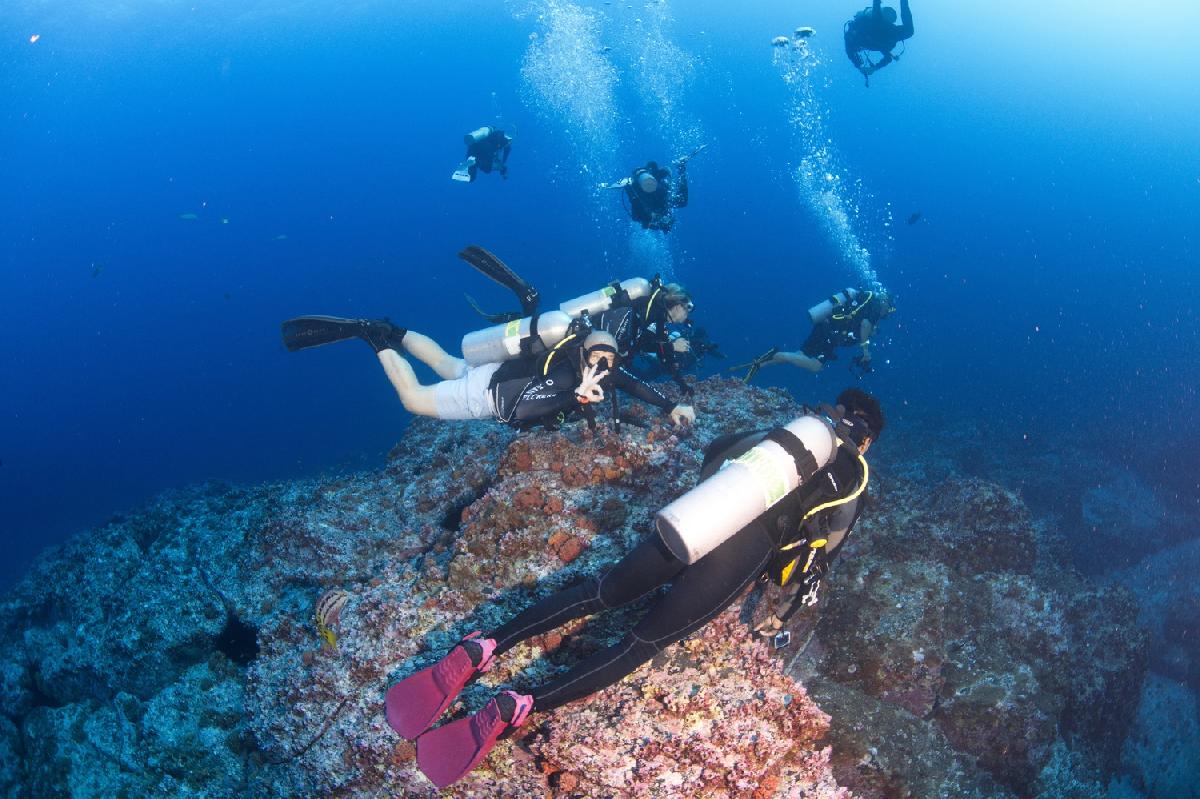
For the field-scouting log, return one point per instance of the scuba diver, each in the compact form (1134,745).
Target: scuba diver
(686,348)
(874,29)
(547,389)
(637,313)
(710,544)
(847,319)
(487,149)
(650,195)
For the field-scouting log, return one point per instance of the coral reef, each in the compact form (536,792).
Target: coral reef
(174,652)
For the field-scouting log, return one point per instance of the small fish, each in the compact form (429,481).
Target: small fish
(224,220)
(33,39)
(97,269)
(914,218)
(281,237)
(189,217)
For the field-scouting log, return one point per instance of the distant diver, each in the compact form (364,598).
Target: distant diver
(640,314)
(487,149)
(650,196)
(847,319)
(710,545)
(874,30)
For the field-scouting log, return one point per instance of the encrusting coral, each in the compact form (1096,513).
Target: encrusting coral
(946,657)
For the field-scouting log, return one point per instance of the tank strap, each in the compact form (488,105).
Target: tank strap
(527,343)
(620,297)
(806,464)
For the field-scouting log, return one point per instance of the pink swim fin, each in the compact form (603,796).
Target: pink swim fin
(448,753)
(417,701)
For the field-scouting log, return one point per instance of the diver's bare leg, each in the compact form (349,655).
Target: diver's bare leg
(798,359)
(430,353)
(417,398)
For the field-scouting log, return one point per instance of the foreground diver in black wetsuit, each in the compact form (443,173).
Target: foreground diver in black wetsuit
(795,538)
(543,389)
(874,29)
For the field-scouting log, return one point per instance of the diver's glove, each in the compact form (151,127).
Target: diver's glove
(863,362)
(589,388)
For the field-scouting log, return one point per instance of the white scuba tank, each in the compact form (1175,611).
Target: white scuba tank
(503,342)
(478,135)
(742,490)
(600,301)
(823,310)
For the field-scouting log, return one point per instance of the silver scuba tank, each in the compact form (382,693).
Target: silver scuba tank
(600,301)
(823,310)
(478,135)
(503,342)
(745,487)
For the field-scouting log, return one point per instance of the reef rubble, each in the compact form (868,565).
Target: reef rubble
(173,652)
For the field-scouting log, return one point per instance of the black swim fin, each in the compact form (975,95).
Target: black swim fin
(304,332)
(491,266)
(493,318)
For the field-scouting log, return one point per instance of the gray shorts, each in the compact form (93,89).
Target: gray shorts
(467,397)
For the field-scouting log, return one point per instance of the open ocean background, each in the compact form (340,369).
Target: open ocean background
(1053,151)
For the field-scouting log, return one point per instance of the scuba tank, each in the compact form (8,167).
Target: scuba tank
(823,310)
(745,487)
(478,135)
(503,342)
(599,301)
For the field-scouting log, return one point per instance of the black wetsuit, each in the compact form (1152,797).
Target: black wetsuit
(493,148)
(642,327)
(653,211)
(870,31)
(698,592)
(525,394)
(844,327)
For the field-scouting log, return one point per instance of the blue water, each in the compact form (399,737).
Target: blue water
(1054,155)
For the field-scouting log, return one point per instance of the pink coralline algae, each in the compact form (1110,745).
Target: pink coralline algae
(714,716)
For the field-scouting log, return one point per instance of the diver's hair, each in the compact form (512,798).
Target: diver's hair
(861,404)
(675,294)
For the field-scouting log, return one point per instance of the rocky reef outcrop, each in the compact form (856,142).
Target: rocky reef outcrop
(173,652)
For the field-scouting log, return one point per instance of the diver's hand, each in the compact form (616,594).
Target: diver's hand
(681,345)
(683,415)
(589,388)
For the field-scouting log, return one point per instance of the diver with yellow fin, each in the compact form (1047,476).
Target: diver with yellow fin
(778,504)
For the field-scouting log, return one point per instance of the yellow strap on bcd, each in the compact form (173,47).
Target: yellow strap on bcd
(834,503)
(653,296)
(857,308)
(553,352)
